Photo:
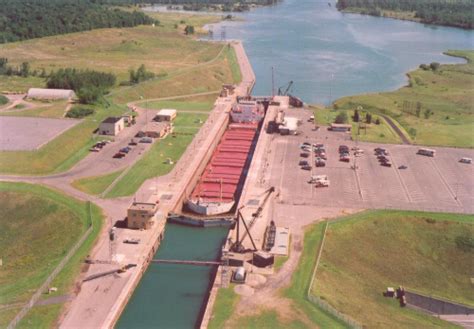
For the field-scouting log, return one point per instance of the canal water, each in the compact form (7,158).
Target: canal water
(329,54)
(172,295)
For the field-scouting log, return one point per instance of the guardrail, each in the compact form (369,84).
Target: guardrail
(37,295)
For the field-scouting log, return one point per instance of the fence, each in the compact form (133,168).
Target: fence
(321,303)
(37,295)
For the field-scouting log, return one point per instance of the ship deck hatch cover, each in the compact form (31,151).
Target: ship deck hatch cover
(253,202)
(166,196)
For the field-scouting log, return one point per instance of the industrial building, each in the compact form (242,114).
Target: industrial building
(289,126)
(141,215)
(112,126)
(165,115)
(50,94)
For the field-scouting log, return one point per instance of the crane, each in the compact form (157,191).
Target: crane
(288,87)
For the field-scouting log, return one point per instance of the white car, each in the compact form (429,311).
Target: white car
(466,160)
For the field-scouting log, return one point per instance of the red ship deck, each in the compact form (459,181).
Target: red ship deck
(220,179)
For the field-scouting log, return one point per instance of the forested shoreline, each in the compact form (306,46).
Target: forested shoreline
(28,19)
(456,13)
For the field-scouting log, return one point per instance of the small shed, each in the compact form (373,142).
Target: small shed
(165,115)
(340,127)
(157,129)
(50,94)
(140,215)
(112,126)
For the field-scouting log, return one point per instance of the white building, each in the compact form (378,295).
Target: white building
(165,115)
(112,126)
(289,126)
(51,94)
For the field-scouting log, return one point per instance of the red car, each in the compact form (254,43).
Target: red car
(118,155)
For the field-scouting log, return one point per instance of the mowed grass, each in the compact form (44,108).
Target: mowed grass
(19,84)
(446,93)
(417,250)
(381,133)
(198,103)
(226,301)
(97,184)
(38,226)
(42,109)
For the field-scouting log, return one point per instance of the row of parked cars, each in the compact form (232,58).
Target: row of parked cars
(319,153)
(99,145)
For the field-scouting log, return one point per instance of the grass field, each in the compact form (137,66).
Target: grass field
(226,301)
(198,103)
(95,185)
(43,109)
(37,227)
(445,94)
(421,251)
(19,84)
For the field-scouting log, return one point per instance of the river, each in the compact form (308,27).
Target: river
(329,54)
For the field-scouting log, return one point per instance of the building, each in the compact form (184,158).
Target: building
(289,126)
(50,94)
(165,115)
(340,127)
(112,126)
(141,215)
(157,129)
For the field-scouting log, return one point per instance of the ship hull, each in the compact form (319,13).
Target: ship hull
(210,208)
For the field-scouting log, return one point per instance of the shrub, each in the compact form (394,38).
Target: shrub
(3,100)
(89,95)
(434,66)
(79,112)
(424,67)
(341,118)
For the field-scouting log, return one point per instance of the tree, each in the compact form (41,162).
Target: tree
(189,29)
(427,113)
(434,66)
(377,121)
(341,118)
(89,95)
(24,69)
(356,116)
(368,118)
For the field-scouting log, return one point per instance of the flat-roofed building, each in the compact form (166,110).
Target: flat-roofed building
(50,94)
(157,129)
(340,127)
(141,215)
(165,115)
(112,126)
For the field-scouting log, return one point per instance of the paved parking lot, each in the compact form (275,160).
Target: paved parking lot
(26,133)
(440,183)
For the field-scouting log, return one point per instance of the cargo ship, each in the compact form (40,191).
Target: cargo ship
(221,182)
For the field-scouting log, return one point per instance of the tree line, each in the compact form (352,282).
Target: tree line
(89,85)
(27,19)
(457,13)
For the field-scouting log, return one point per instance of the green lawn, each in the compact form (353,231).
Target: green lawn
(37,227)
(226,300)
(445,95)
(45,109)
(97,184)
(19,84)
(199,103)
(427,252)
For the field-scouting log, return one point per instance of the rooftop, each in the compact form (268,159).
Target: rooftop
(112,119)
(147,206)
(167,112)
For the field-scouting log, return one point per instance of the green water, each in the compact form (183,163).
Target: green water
(169,295)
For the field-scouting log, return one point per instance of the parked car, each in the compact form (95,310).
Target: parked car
(303,163)
(466,160)
(94,149)
(119,155)
(344,158)
(132,142)
(402,167)
(320,162)
(125,149)
(304,154)
(146,140)
(307,167)
(386,164)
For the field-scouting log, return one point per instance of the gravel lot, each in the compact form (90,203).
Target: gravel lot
(28,133)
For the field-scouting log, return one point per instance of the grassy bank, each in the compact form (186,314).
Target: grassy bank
(384,248)
(38,226)
(197,103)
(435,109)
(226,301)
